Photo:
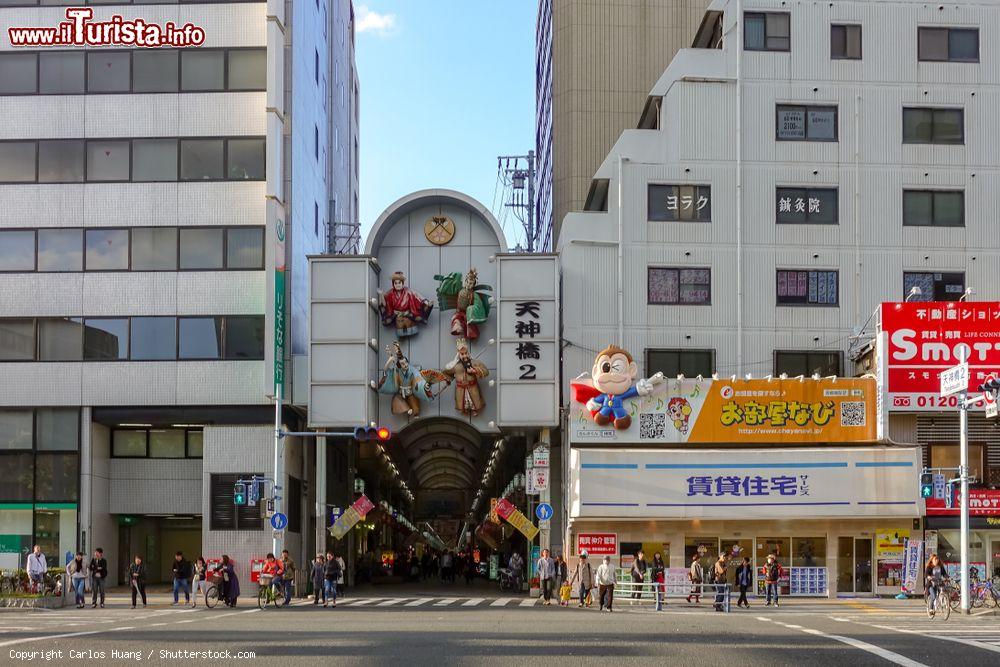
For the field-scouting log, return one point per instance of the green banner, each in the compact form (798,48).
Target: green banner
(279,306)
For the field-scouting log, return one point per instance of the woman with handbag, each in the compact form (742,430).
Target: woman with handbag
(658,574)
(696,574)
(583,573)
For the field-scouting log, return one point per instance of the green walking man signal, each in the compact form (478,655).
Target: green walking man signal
(239,493)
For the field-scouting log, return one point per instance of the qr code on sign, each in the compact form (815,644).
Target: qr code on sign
(652,425)
(852,413)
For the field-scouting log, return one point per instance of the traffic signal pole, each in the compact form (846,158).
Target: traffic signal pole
(276,541)
(963,475)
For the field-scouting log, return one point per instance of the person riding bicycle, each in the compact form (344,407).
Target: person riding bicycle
(934,577)
(274,569)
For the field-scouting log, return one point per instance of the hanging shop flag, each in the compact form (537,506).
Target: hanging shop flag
(356,512)
(514,517)
(614,405)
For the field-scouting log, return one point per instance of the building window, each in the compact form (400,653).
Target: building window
(223,514)
(933,126)
(689,363)
(202,159)
(201,248)
(107,249)
(17,340)
(203,71)
(18,162)
(108,71)
(156,443)
(246,159)
(195,444)
(199,338)
(806,123)
(948,44)
(107,160)
(933,286)
(685,203)
(667,286)
(167,443)
(809,363)
(154,249)
(57,429)
(18,73)
(105,339)
(17,250)
(934,208)
(61,161)
(247,69)
(766,31)
(154,338)
(806,206)
(807,288)
(128,444)
(61,73)
(39,452)
(245,248)
(154,160)
(244,337)
(60,250)
(60,339)
(946,455)
(845,42)
(155,71)
(16,429)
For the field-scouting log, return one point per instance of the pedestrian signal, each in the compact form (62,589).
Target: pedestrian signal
(372,434)
(926,485)
(239,493)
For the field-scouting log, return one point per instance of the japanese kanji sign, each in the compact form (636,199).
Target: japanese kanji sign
(597,544)
(516,518)
(356,512)
(926,338)
(789,411)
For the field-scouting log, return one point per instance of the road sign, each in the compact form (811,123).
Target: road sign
(990,397)
(540,477)
(940,485)
(543,511)
(278,534)
(267,508)
(335,513)
(955,379)
(279,521)
(540,457)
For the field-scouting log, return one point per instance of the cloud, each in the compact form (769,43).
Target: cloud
(369,21)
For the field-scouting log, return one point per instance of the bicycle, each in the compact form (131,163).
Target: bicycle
(939,604)
(508,580)
(270,592)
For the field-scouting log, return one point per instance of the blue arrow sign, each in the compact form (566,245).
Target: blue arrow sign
(543,511)
(279,521)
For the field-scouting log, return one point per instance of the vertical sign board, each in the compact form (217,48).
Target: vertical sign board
(528,335)
(279,306)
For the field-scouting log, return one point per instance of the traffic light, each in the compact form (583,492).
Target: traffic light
(372,434)
(239,493)
(926,485)
(990,386)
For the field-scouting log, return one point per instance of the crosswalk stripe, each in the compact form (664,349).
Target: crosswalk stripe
(418,602)
(530,602)
(445,602)
(358,602)
(391,601)
(472,602)
(501,602)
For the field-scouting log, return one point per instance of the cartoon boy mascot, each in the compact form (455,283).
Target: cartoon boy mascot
(679,411)
(614,381)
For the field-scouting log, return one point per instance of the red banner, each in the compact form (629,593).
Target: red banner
(505,508)
(925,338)
(597,544)
(982,502)
(363,506)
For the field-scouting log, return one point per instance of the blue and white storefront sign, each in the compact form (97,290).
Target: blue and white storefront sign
(765,484)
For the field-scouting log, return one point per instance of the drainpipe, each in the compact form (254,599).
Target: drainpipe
(739,187)
(621,257)
(857,208)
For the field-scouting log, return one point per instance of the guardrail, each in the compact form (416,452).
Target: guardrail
(624,590)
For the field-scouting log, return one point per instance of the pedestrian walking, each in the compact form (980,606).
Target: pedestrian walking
(516,565)
(98,577)
(289,576)
(230,582)
(37,567)
(658,577)
(318,576)
(584,574)
(77,571)
(772,576)
(606,580)
(562,573)
(331,575)
(638,572)
(137,580)
(199,584)
(719,580)
(744,578)
(546,568)
(447,567)
(182,578)
(696,574)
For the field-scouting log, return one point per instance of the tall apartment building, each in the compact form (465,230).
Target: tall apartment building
(345,113)
(144,193)
(595,63)
(806,163)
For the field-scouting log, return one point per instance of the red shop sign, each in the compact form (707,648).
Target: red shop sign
(925,338)
(982,502)
(597,544)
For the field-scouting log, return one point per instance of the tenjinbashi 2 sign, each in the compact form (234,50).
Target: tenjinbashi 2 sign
(614,405)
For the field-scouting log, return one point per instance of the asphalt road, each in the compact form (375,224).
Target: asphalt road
(456,626)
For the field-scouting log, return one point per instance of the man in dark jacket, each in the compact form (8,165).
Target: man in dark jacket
(772,576)
(182,577)
(332,574)
(98,576)
(639,567)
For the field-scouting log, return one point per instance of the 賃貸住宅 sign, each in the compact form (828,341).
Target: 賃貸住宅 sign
(920,340)
(597,544)
(788,411)
(527,340)
(766,484)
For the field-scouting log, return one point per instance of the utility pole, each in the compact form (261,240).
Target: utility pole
(517,174)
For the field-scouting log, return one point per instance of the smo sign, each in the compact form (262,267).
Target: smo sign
(925,339)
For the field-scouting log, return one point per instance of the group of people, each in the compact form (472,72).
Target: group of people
(328,578)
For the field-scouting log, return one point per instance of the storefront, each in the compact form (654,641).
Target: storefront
(943,537)
(828,514)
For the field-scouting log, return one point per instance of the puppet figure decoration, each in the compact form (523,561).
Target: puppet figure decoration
(403,308)
(679,410)
(612,382)
(468,297)
(466,372)
(408,385)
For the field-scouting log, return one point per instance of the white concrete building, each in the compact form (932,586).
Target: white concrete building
(142,192)
(796,168)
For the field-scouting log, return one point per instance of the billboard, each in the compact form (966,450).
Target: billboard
(785,411)
(925,338)
(788,482)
